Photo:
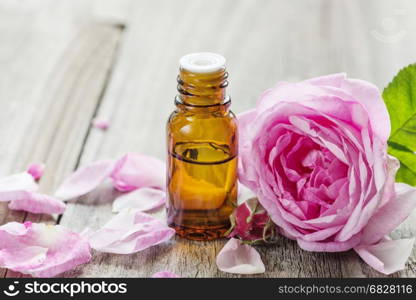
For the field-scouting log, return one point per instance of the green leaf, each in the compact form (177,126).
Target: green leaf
(400,99)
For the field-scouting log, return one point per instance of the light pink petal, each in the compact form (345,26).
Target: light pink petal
(18,182)
(394,212)
(143,199)
(239,258)
(100,124)
(135,171)
(19,259)
(245,169)
(164,274)
(33,202)
(12,229)
(387,257)
(334,80)
(321,235)
(85,179)
(244,193)
(369,96)
(41,250)
(130,231)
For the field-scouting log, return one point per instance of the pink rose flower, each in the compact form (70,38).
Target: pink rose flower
(314,152)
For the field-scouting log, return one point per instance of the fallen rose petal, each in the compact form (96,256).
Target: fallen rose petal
(100,124)
(41,250)
(130,231)
(391,215)
(36,170)
(135,171)
(164,274)
(18,182)
(387,257)
(239,258)
(33,202)
(85,179)
(143,199)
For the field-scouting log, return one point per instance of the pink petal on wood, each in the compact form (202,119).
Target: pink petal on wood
(143,199)
(18,182)
(85,179)
(239,258)
(41,250)
(33,202)
(164,274)
(135,171)
(130,231)
(391,215)
(387,257)
(36,170)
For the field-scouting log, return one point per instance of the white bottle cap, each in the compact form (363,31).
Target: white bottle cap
(202,62)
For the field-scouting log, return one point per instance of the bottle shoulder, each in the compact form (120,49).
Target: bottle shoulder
(189,126)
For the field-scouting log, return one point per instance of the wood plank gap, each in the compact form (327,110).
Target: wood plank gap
(107,80)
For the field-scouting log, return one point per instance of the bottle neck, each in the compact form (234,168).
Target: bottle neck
(202,90)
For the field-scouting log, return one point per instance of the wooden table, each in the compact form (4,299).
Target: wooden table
(62,63)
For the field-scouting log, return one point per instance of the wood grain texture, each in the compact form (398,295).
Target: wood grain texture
(265,41)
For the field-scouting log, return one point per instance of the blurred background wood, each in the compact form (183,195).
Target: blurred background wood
(64,62)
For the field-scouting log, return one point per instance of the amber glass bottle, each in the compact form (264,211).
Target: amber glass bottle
(202,150)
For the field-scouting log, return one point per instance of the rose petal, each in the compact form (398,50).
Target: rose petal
(329,246)
(165,274)
(33,202)
(143,199)
(387,257)
(244,168)
(369,96)
(239,258)
(134,171)
(394,212)
(36,170)
(130,231)
(18,182)
(100,124)
(85,179)
(41,250)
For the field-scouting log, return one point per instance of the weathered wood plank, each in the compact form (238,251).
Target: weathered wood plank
(53,75)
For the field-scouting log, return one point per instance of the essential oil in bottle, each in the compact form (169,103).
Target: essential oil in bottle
(202,145)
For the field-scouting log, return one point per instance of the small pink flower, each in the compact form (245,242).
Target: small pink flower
(41,250)
(250,222)
(36,170)
(314,153)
